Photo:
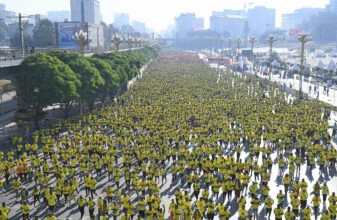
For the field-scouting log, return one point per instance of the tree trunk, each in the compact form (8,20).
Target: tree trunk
(83,105)
(36,120)
(91,103)
(66,109)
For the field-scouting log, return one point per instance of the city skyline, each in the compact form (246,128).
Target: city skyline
(159,16)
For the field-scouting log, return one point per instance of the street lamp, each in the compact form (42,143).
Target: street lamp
(116,40)
(129,41)
(303,37)
(221,45)
(136,41)
(229,47)
(239,43)
(252,41)
(271,39)
(81,38)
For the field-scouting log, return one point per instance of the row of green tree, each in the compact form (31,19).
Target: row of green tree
(60,77)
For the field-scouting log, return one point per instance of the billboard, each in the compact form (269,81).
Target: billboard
(66,31)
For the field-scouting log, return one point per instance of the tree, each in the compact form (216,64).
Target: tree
(127,29)
(106,33)
(91,80)
(118,60)
(44,80)
(3,31)
(15,40)
(109,75)
(67,101)
(44,34)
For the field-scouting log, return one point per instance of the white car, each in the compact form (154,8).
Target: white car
(320,55)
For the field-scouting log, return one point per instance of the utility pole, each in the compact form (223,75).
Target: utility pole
(21,31)
(97,38)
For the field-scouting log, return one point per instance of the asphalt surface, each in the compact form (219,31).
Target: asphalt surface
(64,211)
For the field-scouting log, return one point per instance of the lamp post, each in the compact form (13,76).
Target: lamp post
(252,41)
(221,45)
(136,41)
(303,38)
(116,40)
(271,39)
(239,43)
(129,41)
(229,47)
(81,38)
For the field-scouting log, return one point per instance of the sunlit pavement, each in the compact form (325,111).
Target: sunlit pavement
(63,211)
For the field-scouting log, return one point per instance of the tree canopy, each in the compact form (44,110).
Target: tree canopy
(44,80)
(3,31)
(44,34)
(61,77)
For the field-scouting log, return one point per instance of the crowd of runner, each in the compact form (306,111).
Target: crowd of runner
(185,142)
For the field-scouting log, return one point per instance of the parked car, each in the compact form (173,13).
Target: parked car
(320,55)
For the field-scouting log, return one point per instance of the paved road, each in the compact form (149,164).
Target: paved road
(168,188)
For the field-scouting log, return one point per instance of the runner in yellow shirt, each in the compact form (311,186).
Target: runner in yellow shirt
(51,216)
(286,182)
(115,210)
(91,207)
(326,216)
(269,206)
(243,213)
(289,215)
(25,209)
(316,201)
(278,212)
(333,209)
(141,207)
(5,209)
(306,212)
(81,202)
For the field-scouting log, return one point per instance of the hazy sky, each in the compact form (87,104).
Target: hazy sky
(157,14)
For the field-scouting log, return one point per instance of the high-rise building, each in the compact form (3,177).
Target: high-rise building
(139,26)
(187,22)
(121,19)
(332,6)
(59,16)
(228,21)
(231,24)
(85,11)
(293,20)
(260,19)
(6,16)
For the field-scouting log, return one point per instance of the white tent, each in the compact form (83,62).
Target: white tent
(331,65)
(275,63)
(320,64)
(295,67)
